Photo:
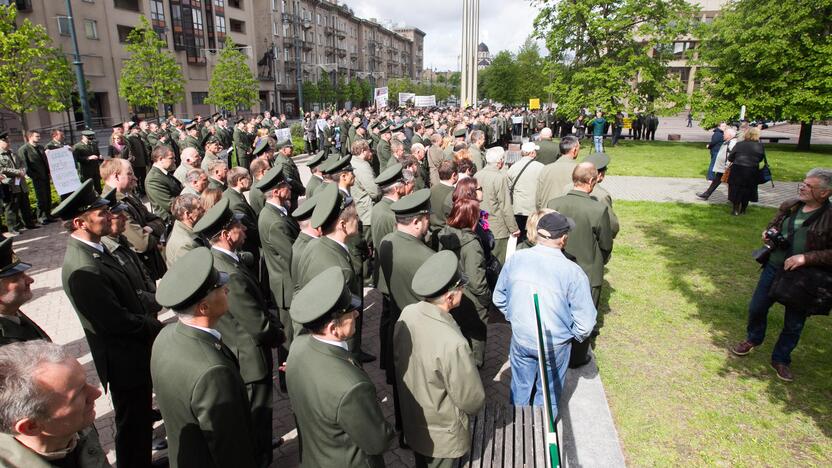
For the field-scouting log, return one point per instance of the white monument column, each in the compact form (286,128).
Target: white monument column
(468,62)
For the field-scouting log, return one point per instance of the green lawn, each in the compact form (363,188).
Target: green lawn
(680,279)
(680,159)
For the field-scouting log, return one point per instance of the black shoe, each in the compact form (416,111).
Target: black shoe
(277,442)
(365,357)
(159,444)
(703,195)
(33,226)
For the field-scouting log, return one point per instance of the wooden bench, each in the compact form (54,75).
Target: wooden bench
(774,139)
(507,436)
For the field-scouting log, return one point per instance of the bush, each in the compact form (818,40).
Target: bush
(297,130)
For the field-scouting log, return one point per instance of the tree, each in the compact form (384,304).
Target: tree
(530,74)
(613,53)
(771,56)
(325,90)
(151,75)
(366,91)
(232,84)
(310,93)
(498,81)
(342,91)
(356,96)
(34,75)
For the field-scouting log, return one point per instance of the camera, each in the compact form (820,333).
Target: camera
(776,241)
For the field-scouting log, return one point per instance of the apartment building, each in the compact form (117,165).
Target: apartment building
(325,36)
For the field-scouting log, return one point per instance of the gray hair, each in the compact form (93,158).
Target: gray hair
(822,174)
(407,176)
(20,394)
(546,133)
(567,144)
(730,131)
(475,136)
(215,164)
(184,204)
(416,147)
(194,174)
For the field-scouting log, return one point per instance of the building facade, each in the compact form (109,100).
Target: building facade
(284,39)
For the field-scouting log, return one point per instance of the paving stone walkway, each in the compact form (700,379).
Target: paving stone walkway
(44,248)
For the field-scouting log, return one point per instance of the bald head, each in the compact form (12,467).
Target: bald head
(584,176)
(546,134)
(189,156)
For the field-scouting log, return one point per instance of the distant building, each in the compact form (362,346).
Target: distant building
(483,56)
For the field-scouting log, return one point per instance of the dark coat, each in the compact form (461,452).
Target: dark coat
(34,157)
(27,330)
(161,189)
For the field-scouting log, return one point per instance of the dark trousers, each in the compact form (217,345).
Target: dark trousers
(260,399)
(44,197)
(715,182)
(793,321)
(580,351)
(521,223)
(134,425)
(616,134)
(423,461)
(140,173)
(18,203)
(385,325)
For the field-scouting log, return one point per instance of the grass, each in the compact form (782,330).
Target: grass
(680,279)
(682,159)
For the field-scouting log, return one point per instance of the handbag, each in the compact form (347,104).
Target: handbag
(808,288)
(726,174)
(764,175)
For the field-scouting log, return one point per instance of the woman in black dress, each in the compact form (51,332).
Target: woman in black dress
(744,175)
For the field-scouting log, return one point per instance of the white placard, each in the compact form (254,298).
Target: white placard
(404,97)
(283,134)
(62,169)
(511,247)
(424,101)
(380,96)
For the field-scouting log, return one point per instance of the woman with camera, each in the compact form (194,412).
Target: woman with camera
(745,170)
(797,269)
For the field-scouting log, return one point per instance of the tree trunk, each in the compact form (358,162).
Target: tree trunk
(22,117)
(805,137)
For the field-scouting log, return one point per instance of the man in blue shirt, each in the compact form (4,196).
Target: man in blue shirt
(566,310)
(598,124)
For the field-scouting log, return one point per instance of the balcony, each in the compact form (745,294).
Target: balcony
(342,51)
(307,45)
(353,56)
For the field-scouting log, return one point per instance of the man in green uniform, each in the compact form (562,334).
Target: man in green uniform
(316,179)
(496,201)
(192,139)
(217,172)
(187,210)
(239,181)
(601,161)
(48,409)
(554,179)
(212,147)
(14,188)
(476,147)
(278,232)
(87,155)
(118,329)
(290,171)
(383,152)
(256,199)
(549,151)
(250,329)
(15,290)
(37,168)
(365,193)
(400,254)
(161,186)
(440,192)
(136,152)
(200,393)
(334,401)
(439,385)
(306,234)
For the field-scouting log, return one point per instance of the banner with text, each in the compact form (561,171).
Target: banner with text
(380,96)
(404,97)
(283,134)
(424,101)
(534,104)
(62,168)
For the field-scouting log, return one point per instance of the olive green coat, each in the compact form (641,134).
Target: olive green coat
(290,171)
(496,201)
(602,195)
(87,168)
(202,399)
(399,256)
(278,233)
(237,204)
(340,423)
(439,385)
(365,191)
(182,240)
(256,199)
(192,142)
(90,453)
(553,180)
(161,189)
(383,153)
(591,240)
(137,273)
(312,185)
(26,330)
(438,213)
(548,153)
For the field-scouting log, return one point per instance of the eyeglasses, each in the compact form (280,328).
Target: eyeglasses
(479,189)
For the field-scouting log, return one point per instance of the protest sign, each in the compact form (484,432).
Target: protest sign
(62,169)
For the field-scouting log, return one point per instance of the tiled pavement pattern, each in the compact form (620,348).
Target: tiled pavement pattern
(50,308)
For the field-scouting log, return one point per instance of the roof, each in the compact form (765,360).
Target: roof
(482,47)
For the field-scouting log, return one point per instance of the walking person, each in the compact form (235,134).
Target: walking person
(745,162)
(729,137)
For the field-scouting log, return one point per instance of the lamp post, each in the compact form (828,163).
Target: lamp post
(79,68)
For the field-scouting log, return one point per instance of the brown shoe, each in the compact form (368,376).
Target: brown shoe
(783,371)
(743,348)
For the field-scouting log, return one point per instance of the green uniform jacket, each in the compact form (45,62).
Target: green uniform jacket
(322,253)
(216,184)
(237,203)
(602,195)
(248,328)
(552,180)
(439,385)
(476,156)
(192,142)
(182,240)
(435,157)
(383,153)
(118,330)
(137,273)
(548,153)
(12,167)
(416,139)
(88,169)
(336,408)
(26,330)
(477,295)
(256,199)
(344,137)
(290,171)
(35,158)
(496,201)
(90,453)
(278,232)
(161,189)
(136,150)
(203,400)
(139,216)
(298,248)
(364,191)
(591,240)
(438,214)
(400,255)
(383,221)
(154,139)
(312,185)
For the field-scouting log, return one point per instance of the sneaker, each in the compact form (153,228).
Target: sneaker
(743,348)
(783,371)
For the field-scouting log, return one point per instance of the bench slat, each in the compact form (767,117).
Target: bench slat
(488,438)
(508,437)
(476,446)
(528,442)
(499,429)
(539,446)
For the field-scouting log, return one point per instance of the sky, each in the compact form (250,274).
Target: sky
(504,24)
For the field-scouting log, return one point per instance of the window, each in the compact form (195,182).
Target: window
(157,11)
(236,3)
(285,30)
(198,98)
(88,1)
(219,3)
(318,17)
(197,18)
(63,25)
(237,26)
(91,28)
(220,24)
(123,32)
(132,5)
(286,53)
(275,29)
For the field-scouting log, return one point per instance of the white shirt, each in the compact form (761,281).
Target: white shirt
(97,246)
(342,344)
(279,207)
(216,334)
(341,244)
(227,252)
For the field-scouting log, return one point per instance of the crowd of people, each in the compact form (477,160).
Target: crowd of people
(265,275)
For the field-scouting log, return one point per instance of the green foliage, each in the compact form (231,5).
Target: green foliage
(774,57)
(355,93)
(366,91)
(531,77)
(498,81)
(613,53)
(296,130)
(34,75)
(232,85)
(326,92)
(310,93)
(342,91)
(151,75)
